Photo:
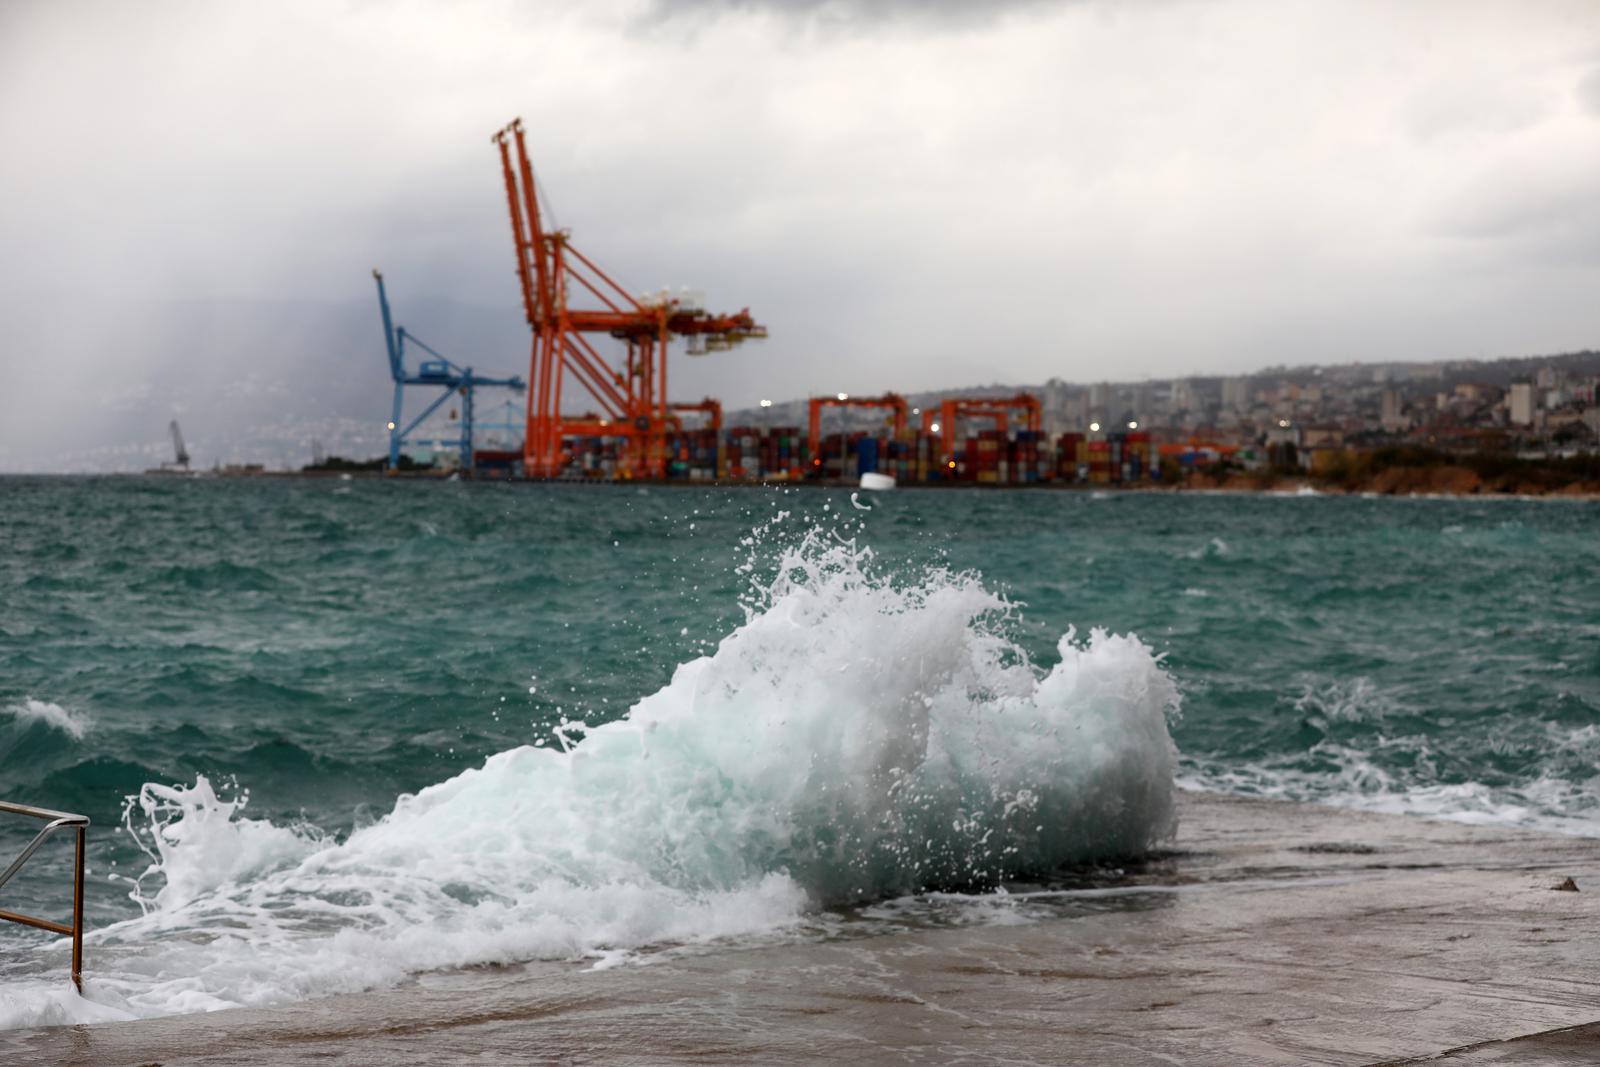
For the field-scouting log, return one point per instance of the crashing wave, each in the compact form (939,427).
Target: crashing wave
(855,738)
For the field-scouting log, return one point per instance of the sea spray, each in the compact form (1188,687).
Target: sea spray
(197,842)
(855,738)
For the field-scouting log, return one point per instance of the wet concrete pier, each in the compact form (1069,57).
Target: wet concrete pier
(1273,933)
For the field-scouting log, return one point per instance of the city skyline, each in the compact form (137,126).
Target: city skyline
(1068,406)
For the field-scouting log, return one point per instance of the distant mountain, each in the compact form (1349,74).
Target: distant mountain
(249,381)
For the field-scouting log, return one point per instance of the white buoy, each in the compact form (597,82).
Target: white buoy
(874,480)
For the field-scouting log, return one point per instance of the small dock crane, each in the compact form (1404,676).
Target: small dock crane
(180,455)
(894,403)
(998,409)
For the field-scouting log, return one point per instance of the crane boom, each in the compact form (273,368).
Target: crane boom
(566,296)
(892,401)
(999,409)
(180,454)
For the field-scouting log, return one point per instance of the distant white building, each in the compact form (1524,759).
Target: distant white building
(1082,412)
(1235,394)
(1392,417)
(1057,417)
(1182,395)
(1284,432)
(1055,395)
(1519,404)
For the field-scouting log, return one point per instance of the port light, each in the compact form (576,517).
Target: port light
(1094,427)
(844,396)
(934,428)
(766,403)
(952,464)
(1133,424)
(391,425)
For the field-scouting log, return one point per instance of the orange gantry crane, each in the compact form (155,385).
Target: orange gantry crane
(1000,409)
(709,407)
(565,297)
(893,401)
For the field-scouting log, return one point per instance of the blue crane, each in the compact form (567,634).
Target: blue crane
(510,418)
(440,372)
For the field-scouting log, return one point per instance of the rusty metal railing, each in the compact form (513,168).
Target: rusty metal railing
(54,820)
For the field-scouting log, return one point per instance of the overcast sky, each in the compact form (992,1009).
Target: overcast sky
(909,195)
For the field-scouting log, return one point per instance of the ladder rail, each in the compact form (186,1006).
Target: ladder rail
(54,821)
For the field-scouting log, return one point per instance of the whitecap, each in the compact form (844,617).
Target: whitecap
(72,723)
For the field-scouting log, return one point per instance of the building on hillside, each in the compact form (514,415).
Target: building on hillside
(1520,404)
(1235,394)
(1322,436)
(1392,416)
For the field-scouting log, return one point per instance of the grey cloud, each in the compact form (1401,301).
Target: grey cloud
(1588,91)
(844,15)
(910,196)
(1467,107)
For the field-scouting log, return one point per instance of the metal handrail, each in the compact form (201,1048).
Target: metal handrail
(54,820)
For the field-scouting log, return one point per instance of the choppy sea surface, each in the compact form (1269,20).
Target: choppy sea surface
(333,733)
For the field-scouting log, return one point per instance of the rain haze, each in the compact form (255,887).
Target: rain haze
(909,196)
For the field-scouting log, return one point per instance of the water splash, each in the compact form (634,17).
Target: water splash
(855,738)
(198,842)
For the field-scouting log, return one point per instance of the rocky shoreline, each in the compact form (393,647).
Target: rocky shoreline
(1398,481)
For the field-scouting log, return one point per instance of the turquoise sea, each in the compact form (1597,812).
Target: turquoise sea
(250,685)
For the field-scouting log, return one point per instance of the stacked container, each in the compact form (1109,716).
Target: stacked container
(992,457)
(1139,462)
(1023,458)
(1069,449)
(1100,461)
(985,458)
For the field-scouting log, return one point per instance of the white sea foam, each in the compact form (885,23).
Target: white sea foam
(1353,779)
(1354,699)
(852,740)
(197,842)
(72,723)
(1211,549)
